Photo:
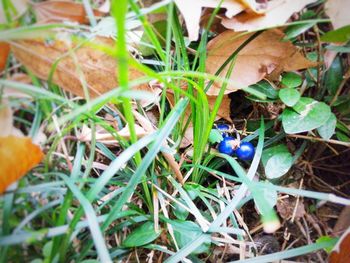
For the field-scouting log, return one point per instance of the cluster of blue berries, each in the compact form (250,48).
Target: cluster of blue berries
(230,145)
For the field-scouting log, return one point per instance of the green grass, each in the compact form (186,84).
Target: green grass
(67,209)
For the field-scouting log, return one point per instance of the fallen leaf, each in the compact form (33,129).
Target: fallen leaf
(62,10)
(343,221)
(17,157)
(277,14)
(192,11)
(103,136)
(338,12)
(224,109)
(99,69)
(6,120)
(4,53)
(262,56)
(341,251)
(286,208)
(257,7)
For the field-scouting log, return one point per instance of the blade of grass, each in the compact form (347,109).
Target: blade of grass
(96,233)
(289,253)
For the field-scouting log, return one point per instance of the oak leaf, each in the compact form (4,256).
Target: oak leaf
(18,155)
(341,251)
(338,12)
(262,56)
(192,11)
(62,10)
(277,13)
(4,53)
(255,6)
(98,68)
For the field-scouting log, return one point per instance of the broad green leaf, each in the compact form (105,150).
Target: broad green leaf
(142,235)
(277,161)
(187,231)
(265,201)
(339,35)
(334,76)
(327,130)
(270,197)
(291,80)
(295,30)
(306,115)
(326,239)
(278,165)
(215,136)
(180,212)
(289,96)
(266,88)
(47,249)
(269,152)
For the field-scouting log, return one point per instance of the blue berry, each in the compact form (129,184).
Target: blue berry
(225,146)
(246,151)
(223,128)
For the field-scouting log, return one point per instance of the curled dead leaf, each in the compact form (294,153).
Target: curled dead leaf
(262,56)
(277,13)
(290,208)
(255,6)
(98,68)
(105,137)
(17,156)
(4,53)
(62,10)
(192,11)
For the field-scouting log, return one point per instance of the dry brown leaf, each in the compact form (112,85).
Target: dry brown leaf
(4,53)
(338,12)
(192,10)
(6,120)
(17,157)
(259,58)
(278,13)
(255,6)
(341,251)
(224,109)
(343,221)
(98,68)
(62,10)
(286,208)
